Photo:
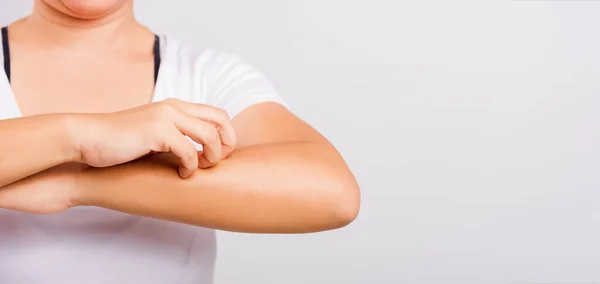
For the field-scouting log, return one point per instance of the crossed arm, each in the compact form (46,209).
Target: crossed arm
(283,177)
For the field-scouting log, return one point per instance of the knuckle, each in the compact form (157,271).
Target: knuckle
(165,110)
(162,146)
(222,117)
(212,160)
(189,159)
(222,113)
(212,136)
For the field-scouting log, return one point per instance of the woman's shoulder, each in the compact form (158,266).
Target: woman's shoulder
(188,57)
(212,76)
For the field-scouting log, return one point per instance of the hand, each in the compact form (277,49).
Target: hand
(48,192)
(120,137)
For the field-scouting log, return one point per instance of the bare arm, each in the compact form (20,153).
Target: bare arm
(284,188)
(32,144)
(284,178)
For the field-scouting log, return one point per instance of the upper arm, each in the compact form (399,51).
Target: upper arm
(259,114)
(272,123)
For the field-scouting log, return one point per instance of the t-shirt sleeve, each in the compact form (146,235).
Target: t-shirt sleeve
(234,85)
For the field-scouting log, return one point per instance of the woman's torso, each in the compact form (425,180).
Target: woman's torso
(88,244)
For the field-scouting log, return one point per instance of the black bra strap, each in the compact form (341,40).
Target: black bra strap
(6,51)
(6,54)
(157,59)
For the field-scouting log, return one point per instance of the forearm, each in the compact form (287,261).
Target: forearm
(279,188)
(33,144)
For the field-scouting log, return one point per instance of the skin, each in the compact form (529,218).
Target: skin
(265,171)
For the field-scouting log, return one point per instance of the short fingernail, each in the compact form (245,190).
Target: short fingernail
(183,173)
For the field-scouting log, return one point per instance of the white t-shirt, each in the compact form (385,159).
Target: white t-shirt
(95,245)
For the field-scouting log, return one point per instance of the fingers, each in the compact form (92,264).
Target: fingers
(183,148)
(204,133)
(216,116)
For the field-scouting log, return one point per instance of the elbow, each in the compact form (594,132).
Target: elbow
(344,204)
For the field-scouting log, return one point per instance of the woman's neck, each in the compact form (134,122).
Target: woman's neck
(49,26)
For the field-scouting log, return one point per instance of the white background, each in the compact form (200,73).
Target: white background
(472,126)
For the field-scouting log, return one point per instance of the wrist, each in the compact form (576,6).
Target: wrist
(82,194)
(71,131)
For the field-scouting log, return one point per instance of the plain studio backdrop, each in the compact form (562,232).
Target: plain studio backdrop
(472,127)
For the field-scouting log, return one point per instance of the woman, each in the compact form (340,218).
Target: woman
(122,151)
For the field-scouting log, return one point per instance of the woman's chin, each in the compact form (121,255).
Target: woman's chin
(89,9)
